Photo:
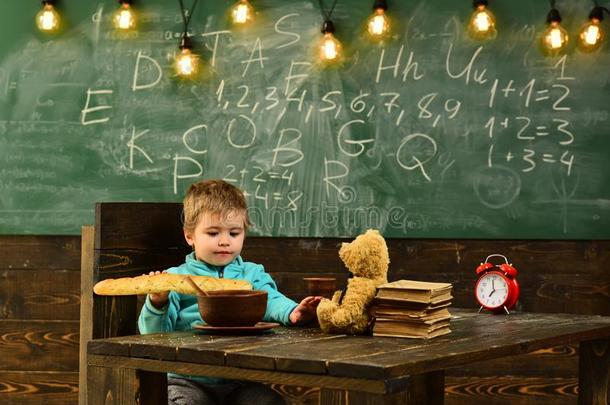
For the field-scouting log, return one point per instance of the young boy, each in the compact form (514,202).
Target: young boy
(215,224)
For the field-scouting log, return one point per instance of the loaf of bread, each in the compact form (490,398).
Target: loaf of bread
(158,283)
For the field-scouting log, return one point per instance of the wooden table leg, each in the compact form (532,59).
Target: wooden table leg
(423,389)
(594,372)
(123,386)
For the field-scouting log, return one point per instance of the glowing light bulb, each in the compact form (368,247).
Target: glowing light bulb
(47,19)
(378,24)
(555,38)
(482,23)
(124,18)
(591,34)
(330,48)
(187,63)
(242,12)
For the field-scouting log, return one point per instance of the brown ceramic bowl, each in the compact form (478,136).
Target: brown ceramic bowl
(322,286)
(232,307)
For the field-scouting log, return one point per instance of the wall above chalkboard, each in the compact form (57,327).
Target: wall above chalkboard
(428,133)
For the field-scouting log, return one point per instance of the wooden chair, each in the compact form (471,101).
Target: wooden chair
(128,239)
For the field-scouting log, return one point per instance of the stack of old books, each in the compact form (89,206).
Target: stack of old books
(413,309)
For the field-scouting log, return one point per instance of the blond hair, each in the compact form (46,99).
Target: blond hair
(216,197)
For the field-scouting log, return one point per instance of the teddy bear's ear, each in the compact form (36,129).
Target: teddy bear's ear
(345,253)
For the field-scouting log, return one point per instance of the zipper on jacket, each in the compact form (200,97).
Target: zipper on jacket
(221,273)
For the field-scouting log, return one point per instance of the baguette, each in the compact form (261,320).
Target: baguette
(151,284)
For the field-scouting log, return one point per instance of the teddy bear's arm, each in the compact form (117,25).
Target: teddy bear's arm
(337,296)
(325,311)
(353,309)
(346,316)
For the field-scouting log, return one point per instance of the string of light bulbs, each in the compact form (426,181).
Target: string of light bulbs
(554,38)
(481,26)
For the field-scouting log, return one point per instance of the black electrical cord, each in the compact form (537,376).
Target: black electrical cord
(327,25)
(330,12)
(380,4)
(190,14)
(598,11)
(186,42)
(553,15)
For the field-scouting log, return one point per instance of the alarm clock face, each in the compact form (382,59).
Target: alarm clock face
(492,290)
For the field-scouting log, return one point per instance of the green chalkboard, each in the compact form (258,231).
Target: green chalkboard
(427,134)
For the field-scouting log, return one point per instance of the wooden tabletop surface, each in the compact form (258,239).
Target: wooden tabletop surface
(307,350)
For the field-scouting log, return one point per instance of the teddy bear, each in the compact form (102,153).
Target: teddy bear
(366,257)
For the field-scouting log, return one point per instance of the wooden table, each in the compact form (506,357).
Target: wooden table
(349,369)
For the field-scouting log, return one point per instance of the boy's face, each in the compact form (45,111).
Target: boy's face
(217,240)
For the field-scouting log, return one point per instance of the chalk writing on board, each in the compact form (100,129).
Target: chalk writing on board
(426,134)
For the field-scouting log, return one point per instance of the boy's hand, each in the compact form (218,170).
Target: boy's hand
(305,311)
(158,300)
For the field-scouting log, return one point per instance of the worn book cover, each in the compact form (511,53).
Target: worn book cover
(420,327)
(415,324)
(416,291)
(408,315)
(407,334)
(410,307)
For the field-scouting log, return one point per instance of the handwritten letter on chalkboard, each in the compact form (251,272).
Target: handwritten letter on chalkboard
(428,134)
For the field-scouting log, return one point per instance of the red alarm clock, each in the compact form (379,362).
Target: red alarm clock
(497,289)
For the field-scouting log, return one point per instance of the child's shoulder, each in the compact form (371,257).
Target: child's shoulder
(181,269)
(251,266)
